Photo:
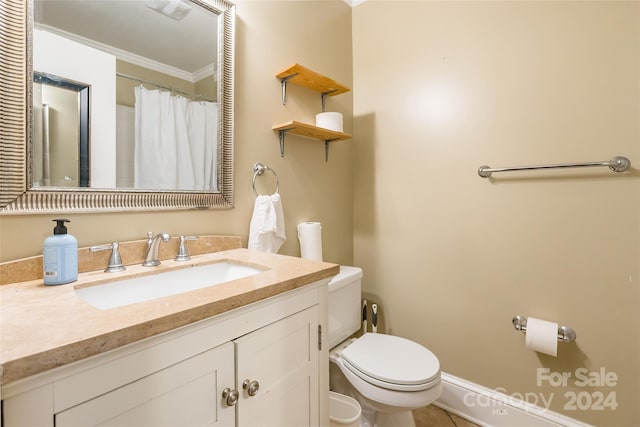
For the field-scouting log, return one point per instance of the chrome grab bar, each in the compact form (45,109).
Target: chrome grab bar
(616,164)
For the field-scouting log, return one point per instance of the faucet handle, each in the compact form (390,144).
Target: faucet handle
(183,255)
(115,262)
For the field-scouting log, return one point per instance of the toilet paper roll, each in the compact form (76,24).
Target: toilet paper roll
(542,336)
(329,120)
(310,236)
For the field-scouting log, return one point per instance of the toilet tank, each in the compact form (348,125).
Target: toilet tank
(345,312)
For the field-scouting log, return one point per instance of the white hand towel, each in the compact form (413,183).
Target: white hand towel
(266,230)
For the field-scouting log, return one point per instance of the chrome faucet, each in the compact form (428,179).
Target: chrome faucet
(153,248)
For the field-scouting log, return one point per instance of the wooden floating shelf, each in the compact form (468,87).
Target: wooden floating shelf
(303,76)
(310,131)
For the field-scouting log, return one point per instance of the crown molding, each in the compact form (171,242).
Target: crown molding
(133,58)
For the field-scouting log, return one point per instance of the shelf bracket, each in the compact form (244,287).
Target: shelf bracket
(324,98)
(283,83)
(326,148)
(281,134)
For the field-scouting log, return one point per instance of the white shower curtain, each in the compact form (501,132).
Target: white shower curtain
(175,142)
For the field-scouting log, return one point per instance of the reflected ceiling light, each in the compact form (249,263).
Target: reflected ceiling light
(176,9)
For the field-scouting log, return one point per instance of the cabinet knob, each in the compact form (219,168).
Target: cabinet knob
(252,387)
(231,396)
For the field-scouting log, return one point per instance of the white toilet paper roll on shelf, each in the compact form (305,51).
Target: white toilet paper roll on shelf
(542,336)
(310,236)
(329,120)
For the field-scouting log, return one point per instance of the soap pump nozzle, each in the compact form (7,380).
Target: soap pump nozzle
(60,228)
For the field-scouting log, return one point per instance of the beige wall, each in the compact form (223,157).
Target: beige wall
(270,36)
(442,88)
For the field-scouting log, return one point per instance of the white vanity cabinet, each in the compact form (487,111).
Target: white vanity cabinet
(184,394)
(194,375)
(282,361)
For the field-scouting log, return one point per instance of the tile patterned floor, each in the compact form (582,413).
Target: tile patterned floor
(432,416)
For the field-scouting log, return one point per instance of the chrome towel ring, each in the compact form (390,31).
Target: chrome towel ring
(259,169)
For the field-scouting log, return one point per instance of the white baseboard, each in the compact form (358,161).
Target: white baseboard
(489,408)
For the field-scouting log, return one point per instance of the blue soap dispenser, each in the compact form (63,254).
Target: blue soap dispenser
(60,256)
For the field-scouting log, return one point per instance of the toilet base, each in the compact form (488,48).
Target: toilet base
(404,418)
(371,416)
(382,419)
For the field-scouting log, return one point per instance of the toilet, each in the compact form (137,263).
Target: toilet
(389,376)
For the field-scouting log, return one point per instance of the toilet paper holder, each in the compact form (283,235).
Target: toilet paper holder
(565,333)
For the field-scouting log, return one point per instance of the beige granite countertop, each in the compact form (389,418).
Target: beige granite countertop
(43,327)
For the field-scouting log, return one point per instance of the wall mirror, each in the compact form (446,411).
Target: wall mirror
(159,75)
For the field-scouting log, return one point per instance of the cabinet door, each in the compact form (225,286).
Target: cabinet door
(283,358)
(188,393)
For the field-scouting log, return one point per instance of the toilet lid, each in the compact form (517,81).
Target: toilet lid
(392,362)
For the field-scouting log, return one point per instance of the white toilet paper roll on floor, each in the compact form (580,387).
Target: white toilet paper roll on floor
(329,120)
(542,336)
(310,236)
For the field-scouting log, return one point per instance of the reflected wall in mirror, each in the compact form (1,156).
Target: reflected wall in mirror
(160,79)
(60,155)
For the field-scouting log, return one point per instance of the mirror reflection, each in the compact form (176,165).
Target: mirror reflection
(61,125)
(149,67)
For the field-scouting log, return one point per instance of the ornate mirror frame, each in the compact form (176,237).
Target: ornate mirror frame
(16,76)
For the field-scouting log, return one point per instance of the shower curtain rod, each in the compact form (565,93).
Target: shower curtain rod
(160,85)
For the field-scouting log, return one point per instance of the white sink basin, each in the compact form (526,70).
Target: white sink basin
(145,288)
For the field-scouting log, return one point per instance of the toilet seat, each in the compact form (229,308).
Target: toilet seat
(391,362)
(387,400)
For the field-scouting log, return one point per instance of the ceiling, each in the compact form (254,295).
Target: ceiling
(130,26)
